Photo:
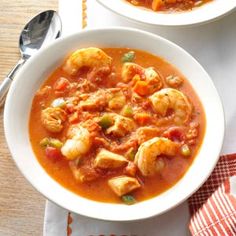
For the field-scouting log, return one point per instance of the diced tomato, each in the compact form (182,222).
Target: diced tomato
(132,143)
(70,108)
(142,118)
(88,116)
(74,118)
(175,134)
(53,153)
(146,105)
(99,141)
(61,84)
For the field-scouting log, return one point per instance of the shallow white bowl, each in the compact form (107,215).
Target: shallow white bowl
(38,68)
(206,13)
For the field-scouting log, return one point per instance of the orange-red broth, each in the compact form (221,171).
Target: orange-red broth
(169,6)
(98,189)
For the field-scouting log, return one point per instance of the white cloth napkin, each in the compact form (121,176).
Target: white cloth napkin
(214,46)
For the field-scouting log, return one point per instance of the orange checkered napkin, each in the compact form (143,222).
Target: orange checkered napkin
(213,206)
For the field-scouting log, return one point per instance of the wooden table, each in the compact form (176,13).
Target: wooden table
(21,206)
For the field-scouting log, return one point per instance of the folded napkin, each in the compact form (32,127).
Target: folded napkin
(213,206)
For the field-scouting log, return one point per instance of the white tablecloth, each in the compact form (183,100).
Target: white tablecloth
(213,45)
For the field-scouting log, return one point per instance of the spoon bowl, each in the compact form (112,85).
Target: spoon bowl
(41,30)
(38,32)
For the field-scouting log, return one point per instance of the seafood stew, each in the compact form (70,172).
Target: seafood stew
(116,124)
(169,5)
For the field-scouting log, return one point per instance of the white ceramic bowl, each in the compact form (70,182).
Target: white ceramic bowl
(38,68)
(206,13)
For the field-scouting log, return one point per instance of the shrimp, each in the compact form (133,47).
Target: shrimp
(79,142)
(147,156)
(169,99)
(93,58)
(52,119)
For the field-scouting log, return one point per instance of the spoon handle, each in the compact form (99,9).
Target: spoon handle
(5,85)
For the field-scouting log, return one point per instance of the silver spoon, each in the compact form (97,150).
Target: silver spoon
(40,30)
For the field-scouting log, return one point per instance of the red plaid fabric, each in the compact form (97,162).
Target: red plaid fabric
(212,207)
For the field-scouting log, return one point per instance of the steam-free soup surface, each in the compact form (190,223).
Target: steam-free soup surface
(116,124)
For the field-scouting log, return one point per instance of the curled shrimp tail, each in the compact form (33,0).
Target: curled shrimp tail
(149,152)
(169,99)
(87,57)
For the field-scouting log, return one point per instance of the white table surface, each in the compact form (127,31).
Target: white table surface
(213,45)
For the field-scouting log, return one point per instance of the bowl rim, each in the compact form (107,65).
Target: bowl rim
(96,215)
(136,17)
